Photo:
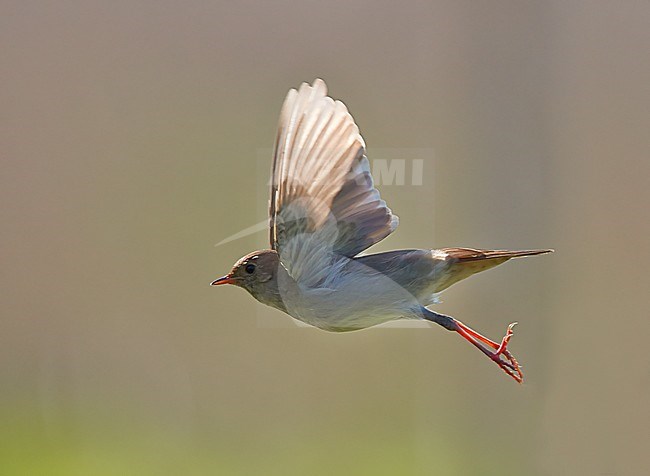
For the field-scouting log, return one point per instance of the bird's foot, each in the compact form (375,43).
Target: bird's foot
(498,352)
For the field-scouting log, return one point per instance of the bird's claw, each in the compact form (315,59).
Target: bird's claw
(510,364)
(493,350)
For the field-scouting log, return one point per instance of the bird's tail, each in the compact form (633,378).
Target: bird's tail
(464,262)
(468,254)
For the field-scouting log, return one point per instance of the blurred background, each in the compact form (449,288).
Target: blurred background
(131,140)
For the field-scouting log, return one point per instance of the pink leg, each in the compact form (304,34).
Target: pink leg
(509,364)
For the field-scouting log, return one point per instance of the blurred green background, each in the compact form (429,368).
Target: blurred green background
(130,142)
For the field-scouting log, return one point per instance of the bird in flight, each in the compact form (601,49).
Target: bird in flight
(324,212)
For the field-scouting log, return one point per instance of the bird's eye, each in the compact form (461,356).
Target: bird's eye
(250,268)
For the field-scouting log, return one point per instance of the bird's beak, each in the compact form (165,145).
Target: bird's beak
(227,279)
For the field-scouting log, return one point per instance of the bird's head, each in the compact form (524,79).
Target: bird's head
(255,272)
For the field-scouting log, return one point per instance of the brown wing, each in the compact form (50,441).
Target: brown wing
(362,217)
(321,183)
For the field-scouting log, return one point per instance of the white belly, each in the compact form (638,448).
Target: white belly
(354,300)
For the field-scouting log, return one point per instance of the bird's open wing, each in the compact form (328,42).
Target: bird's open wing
(323,200)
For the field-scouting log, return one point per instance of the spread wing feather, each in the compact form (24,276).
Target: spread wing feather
(362,216)
(323,201)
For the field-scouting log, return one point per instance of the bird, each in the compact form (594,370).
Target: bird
(324,212)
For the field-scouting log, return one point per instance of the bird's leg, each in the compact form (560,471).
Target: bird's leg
(498,352)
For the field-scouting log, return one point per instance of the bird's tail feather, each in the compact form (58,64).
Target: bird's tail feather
(470,254)
(464,262)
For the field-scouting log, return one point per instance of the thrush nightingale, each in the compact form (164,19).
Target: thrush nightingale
(324,212)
